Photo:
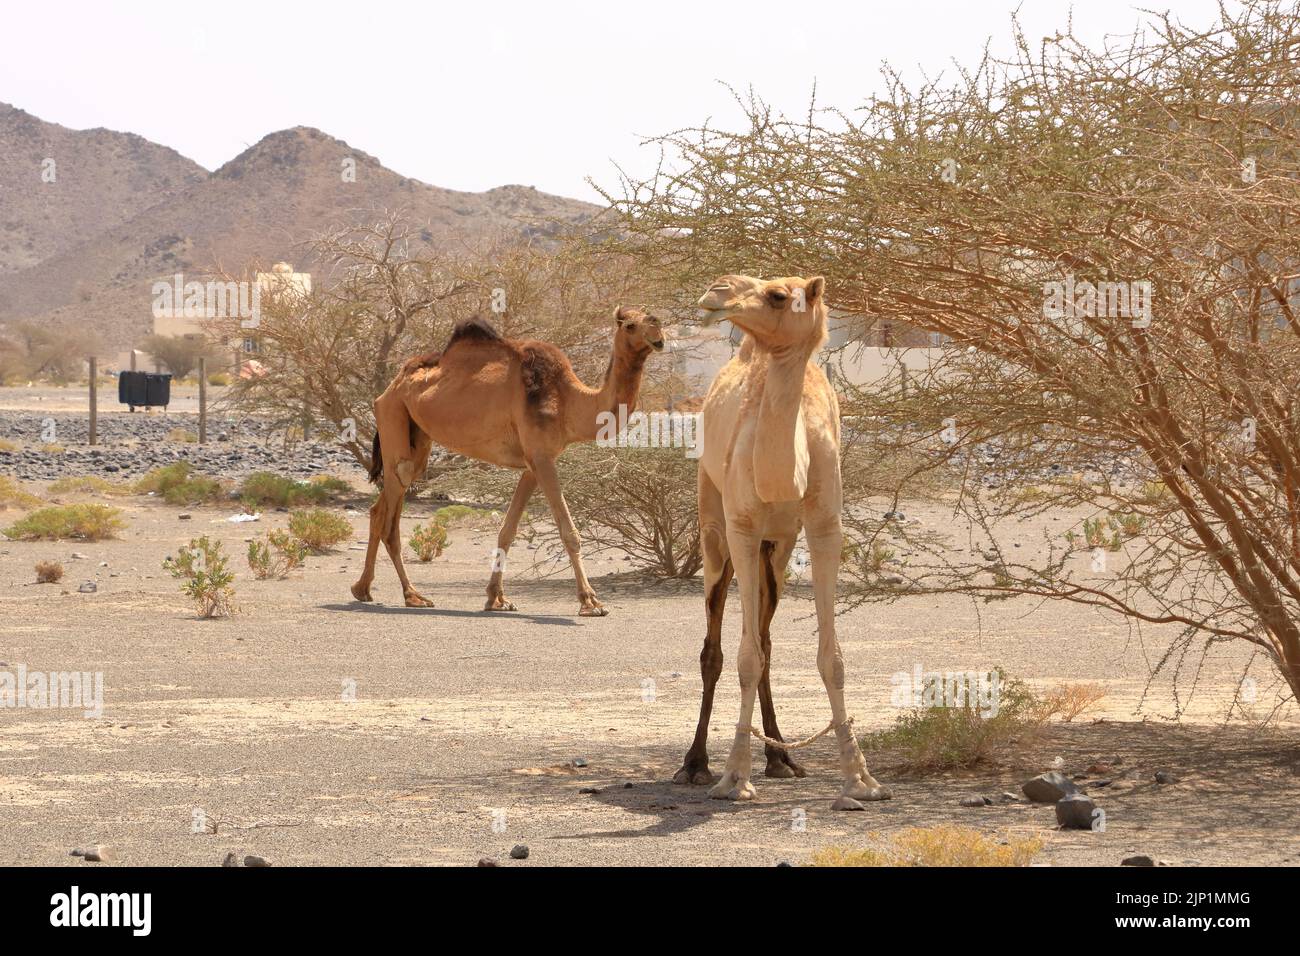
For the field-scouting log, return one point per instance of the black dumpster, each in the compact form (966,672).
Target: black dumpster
(142,389)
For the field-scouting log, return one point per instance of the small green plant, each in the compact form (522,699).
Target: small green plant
(1154,494)
(318,529)
(49,572)
(935,846)
(178,485)
(83,522)
(1128,525)
(275,556)
(218,379)
(205,577)
(12,493)
(428,541)
(964,733)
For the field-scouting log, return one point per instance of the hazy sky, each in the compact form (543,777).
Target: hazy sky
(480,94)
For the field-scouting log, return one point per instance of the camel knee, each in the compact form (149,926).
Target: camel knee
(711,662)
(750,665)
(830,664)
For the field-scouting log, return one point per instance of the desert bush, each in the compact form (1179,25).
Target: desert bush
(49,572)
(634,501)
(81,521)
(179,354)
(178,485)
(88,484)
(7,445)
(267,489)
(218,379)
(205,577)
(182,435)
(318,529)
(12,494)
(935,846)
(428,541)
(275,556)
(942,738)
(1068,701)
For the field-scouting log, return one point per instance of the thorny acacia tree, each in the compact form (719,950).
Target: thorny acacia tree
(1109,240)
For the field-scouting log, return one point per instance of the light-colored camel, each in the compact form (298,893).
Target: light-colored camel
(771,466)
(515,403)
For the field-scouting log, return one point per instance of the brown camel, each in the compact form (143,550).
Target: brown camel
(515,403)
(770,468)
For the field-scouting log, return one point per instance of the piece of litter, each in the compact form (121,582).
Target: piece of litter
(243,516)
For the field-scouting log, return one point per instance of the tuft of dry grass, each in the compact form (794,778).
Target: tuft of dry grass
(88,484)
(49,572)
(318,529)
(935,846)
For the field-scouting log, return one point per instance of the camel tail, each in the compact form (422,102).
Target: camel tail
(376,460)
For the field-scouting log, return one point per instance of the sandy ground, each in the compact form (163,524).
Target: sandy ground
(464,730)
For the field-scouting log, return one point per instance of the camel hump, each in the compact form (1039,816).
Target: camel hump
(476,328)
(427,360)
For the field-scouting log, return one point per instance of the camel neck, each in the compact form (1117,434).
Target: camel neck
(620,390)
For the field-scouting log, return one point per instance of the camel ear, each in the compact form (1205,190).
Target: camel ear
(814,288)
(619,317)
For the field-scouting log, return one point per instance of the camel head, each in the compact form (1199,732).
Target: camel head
(776,312)
(638,331)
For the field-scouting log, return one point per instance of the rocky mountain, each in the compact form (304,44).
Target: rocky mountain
(258,208)
(60,187)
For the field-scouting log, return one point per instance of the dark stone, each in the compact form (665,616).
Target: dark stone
(1139,860)
(519,852)
(1074,812)
(1049,787)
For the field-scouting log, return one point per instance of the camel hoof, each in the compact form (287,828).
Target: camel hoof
(846,803)
(870,792)
(741,793)
(360,593)
(781,767)
(417,600)
(596,610)
(499,604)
(694,777)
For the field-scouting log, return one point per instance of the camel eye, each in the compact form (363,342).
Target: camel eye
(777,297)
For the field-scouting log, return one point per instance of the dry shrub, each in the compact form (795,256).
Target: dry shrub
(84,522)
(428,541)
(12,493)
(935,846)
(939,739)
(88,484)
(318,529)
(49,572)
(1068,701)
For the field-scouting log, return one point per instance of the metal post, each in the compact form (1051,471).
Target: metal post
(94,401)
(203,400)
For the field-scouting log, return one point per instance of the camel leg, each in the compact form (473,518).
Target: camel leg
(744,546)
(824,546)
(393,539)
(394,425)
(774,556)
(717,579)
(549,480)
(496,597)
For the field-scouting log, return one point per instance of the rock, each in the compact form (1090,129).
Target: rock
(256,861)
(1008,797)
(785,863)
(99,854)
(184,516)
(895,516)
(1139,860)
(1164,776)
(1074,812)
(629,785)
(486,861)
(1049,787)
(77,852)
(230,860)
(519,852)
(89,587)
(976,801)
(580,761)
(590,790)
(78,556)
(891,579)
(846,803)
